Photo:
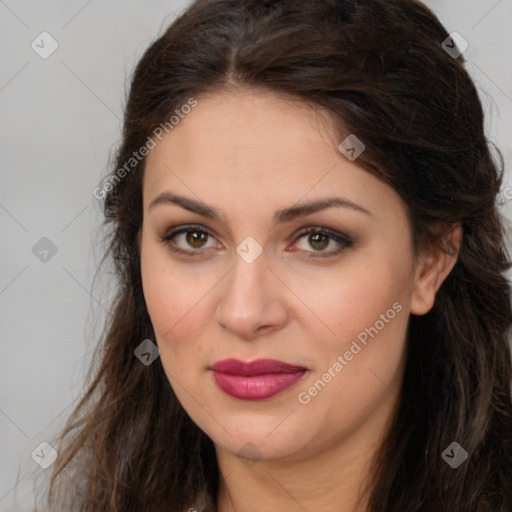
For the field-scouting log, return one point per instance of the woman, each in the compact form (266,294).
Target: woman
(312,310)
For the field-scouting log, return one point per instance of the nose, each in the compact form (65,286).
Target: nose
(251,300)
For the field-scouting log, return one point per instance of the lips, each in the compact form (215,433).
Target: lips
(255,380)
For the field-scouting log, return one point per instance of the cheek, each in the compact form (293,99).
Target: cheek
(176,303)
(353,298)
(355,368)
(367,308)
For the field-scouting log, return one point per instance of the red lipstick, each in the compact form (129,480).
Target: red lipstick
(255,380)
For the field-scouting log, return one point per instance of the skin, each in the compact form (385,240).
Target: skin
(248,154)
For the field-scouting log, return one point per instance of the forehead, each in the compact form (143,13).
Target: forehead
(250,148)
(251,123)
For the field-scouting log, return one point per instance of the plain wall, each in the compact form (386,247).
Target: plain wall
(60,123)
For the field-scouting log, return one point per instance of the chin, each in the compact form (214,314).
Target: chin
(260,442)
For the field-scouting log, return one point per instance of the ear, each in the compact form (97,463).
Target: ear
(433,266)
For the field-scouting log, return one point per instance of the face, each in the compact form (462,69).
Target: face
(238,269)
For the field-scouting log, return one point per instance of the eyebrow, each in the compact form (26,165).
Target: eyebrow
(280,216)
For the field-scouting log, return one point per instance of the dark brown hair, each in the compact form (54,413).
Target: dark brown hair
(380,68)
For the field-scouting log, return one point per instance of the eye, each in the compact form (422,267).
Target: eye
(191,236)
(319,239)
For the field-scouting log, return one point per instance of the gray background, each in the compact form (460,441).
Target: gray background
(60,123)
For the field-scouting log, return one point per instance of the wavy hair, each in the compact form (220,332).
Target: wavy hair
(380,67)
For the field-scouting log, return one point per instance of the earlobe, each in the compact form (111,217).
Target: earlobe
(432,269)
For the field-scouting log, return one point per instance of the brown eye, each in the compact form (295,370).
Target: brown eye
(319,239)
(196,238)
(188,240)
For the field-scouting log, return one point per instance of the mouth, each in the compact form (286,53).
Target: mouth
(255,380)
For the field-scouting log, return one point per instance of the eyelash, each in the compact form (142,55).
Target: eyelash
(342,239)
